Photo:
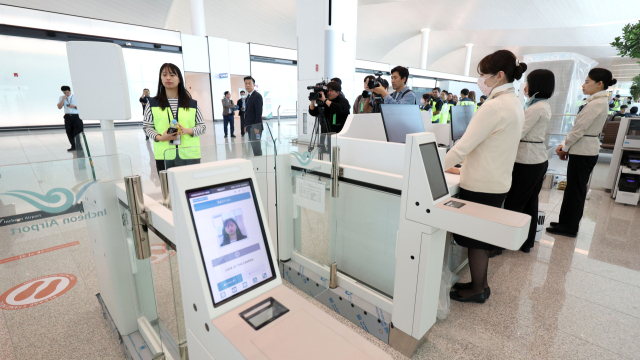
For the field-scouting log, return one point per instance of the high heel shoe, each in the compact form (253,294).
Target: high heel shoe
(478,298)
(462,286)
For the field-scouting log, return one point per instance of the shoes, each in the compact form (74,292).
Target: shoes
(494,253)
(462,286)
(562,232)
(146,138)
(72,149)
(478,298)
(225,136)
(525,250)
(553,224)
(233,136)
(241,135)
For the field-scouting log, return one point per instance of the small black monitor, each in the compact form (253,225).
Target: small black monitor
(400,120)
(232,239)
(435,173)
(460,119)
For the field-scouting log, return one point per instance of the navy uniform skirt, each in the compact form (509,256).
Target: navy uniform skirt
(494,200)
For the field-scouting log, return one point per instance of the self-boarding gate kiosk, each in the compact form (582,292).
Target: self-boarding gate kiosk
(235,304)
(427,212)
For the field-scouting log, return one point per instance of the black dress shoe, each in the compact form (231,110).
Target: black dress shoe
(494,253)
(462,286)
(478,298)
(225,136)
(72,149)
(525,250)
(553,224)
(562,232)
(233,136)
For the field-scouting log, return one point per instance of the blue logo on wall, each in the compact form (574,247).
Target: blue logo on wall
(224,75)
(304,158)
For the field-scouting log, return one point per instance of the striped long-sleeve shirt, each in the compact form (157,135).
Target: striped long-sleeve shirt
(149,129)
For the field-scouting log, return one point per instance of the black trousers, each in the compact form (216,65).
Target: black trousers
(242,124)
(255,140)
(494,200)
(73,126)
(168,164)
(578,172)
(526,182)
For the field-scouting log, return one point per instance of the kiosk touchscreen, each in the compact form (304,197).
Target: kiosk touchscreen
(460,119)
(232,239)
(400,120)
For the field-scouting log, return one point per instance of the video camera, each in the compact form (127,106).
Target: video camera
(317,89)
(377,81)
(377,98)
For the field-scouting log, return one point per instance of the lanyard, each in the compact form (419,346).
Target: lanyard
(171,111)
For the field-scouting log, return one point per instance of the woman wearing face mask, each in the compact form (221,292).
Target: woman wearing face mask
(581,147)
(173,102)
(531,160)
(425,102)
(487,151)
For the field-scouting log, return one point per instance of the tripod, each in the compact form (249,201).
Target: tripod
(377,101)
(317,138)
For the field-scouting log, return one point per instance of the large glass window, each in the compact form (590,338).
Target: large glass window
(278,84)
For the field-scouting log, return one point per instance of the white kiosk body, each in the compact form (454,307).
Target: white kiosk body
(235,304)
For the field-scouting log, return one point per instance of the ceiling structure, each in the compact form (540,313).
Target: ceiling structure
(389,30)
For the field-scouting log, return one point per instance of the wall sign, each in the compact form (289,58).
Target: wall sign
(224,75)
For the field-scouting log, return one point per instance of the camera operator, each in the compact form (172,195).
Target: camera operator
(402,95)
(368,107)
(336,110)
(362,99)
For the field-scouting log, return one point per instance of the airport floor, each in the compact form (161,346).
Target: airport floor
(567,299)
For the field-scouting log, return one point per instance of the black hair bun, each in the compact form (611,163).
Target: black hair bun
(520,69)
(613,82)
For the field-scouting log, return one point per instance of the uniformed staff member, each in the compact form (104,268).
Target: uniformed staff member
(532,159)
(465,100)
(581,147)
(616,103)
(487,151)
(173,101)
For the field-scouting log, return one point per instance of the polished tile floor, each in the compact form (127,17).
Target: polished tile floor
(567,299)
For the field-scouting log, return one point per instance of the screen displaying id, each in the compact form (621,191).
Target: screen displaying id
(232,239)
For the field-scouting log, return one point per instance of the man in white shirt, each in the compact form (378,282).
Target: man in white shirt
(72,122)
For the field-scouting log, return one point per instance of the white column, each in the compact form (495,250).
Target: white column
(424,48)
(196,8)
(467,59)
(326,48)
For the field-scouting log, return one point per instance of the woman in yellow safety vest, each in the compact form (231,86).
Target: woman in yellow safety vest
(174,121)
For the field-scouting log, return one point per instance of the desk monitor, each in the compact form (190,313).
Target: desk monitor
(460,118)
(433,167)
(232,239)
(400,120)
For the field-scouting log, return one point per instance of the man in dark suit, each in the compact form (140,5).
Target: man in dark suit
(241,108)
(253,115)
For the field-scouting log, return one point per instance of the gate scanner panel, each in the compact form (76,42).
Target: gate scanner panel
(224,244)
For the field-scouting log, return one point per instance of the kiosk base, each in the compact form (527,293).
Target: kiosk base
(305,332)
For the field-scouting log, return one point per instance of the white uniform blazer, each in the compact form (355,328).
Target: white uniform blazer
(583,138)
(488,148)
(532,148)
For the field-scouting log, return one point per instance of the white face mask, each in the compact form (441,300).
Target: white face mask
(422,101)
(244,96)
(484,88)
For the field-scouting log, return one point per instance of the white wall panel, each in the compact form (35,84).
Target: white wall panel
(278,86)
(219,64)
(199,86)
(195,53)
(239,58)
(72,24)
(273,52)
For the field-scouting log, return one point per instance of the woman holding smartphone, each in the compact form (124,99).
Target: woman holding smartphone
(176,143)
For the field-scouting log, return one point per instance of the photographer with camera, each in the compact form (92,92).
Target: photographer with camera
(362,99)
(402,95)
(330,109)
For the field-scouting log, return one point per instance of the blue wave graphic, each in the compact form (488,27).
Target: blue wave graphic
(304,158)
(51,197)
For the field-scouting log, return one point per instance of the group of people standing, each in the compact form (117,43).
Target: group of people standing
(440,103)
(504,156)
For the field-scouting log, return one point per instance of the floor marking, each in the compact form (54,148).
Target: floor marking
(38,252)
(37,291)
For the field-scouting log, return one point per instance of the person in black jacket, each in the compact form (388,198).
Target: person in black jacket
(336,111)
(253,115)
(241,106)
